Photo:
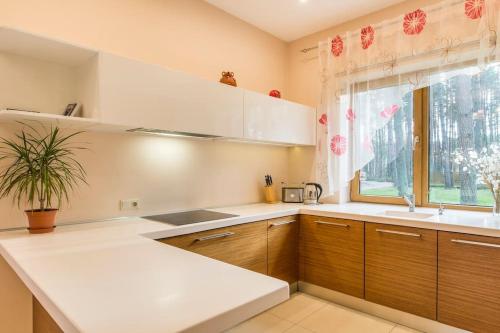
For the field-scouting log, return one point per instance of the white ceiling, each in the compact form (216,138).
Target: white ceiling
(293,19)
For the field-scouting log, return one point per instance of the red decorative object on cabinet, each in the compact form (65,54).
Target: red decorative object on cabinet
(275,93)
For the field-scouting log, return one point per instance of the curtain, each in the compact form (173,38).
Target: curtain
(367,77)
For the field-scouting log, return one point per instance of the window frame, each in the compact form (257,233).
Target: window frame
(420,163)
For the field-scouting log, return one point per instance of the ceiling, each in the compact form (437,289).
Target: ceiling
(292,19)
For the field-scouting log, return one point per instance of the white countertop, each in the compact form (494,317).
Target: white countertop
(111,276)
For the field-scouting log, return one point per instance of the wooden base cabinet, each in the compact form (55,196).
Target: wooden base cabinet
(401,268)
(469,282)
(331,254)
(42,321)
(243,245)
(282,248)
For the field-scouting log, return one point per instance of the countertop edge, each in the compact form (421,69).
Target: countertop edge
(244,312)
(59,316)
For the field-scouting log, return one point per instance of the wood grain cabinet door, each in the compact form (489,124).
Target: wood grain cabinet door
(331,253)
(42,321)
(469,282)
(401,268)
(282,248)
(242,245)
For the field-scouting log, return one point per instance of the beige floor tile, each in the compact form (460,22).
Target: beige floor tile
(298,307)
(403,329)
(337,319)
(297,329)
(263,323)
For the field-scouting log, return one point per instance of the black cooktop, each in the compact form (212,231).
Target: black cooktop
(189,217)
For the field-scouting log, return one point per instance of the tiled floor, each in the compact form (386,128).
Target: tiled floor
(304,313)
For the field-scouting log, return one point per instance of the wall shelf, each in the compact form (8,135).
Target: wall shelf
(13,117)
(31,118)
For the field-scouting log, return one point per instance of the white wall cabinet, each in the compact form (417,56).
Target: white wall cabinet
(118,94)
(276,120)
(141,95)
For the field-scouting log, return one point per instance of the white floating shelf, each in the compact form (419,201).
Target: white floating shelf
(32,118)
(13,117)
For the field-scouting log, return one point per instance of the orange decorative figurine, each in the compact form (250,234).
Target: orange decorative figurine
(228,78)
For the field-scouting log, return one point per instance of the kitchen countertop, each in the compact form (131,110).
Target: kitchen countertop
(112,276)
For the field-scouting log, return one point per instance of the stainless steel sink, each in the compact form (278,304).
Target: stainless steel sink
(412,215)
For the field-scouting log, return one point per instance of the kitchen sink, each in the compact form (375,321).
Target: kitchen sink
(412,215)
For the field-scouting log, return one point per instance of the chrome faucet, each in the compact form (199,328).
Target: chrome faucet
(410,200)
(441,208)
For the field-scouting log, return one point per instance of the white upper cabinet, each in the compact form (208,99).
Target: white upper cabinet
(43,75)
(135,94)
(272,119)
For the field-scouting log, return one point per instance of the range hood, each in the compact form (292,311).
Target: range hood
(172,133)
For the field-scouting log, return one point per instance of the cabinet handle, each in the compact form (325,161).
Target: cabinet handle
(343,225)
(461,241)
(214,236)
(277,224)
(411,234)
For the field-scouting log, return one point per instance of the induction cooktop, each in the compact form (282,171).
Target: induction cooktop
(189,217)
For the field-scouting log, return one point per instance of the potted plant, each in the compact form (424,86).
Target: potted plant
(39,169)
(486,165)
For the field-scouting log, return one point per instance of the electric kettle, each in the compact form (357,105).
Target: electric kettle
(312,192)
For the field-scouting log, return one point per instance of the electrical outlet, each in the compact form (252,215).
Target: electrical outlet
(129,204)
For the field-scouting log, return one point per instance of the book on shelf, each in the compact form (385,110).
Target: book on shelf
(73,110)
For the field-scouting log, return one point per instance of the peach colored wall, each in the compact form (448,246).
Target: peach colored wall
(188,35)
(165,174)
(303,79)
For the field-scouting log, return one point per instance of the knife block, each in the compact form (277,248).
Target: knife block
(270,194)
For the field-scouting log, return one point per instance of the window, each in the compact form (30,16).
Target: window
(459,110)
(390,173)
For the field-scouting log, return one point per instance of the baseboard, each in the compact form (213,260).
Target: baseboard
(396,316)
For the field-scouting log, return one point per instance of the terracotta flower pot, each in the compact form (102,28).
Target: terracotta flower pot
(41,221)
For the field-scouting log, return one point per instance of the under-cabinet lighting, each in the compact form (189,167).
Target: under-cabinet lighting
(259,142)
(174,134)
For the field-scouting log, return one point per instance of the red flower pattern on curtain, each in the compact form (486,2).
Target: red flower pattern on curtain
(350,115)
(338,145)
(389,111)
(414,22)
(474,8)
(323,119)
(421,39)
(367,37)
(337,46)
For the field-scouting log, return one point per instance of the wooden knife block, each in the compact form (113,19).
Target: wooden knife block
(270,194)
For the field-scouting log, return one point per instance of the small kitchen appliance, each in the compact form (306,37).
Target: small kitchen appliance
(312,193)
(292,194)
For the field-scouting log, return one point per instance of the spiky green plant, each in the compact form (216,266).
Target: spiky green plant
(39,167)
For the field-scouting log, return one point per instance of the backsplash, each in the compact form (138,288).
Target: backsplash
(164,174)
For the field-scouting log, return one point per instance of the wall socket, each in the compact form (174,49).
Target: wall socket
(129,204)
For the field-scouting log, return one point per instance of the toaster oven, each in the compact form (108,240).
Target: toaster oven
(292,194)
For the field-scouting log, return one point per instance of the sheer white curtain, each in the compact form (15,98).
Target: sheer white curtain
(365,75)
